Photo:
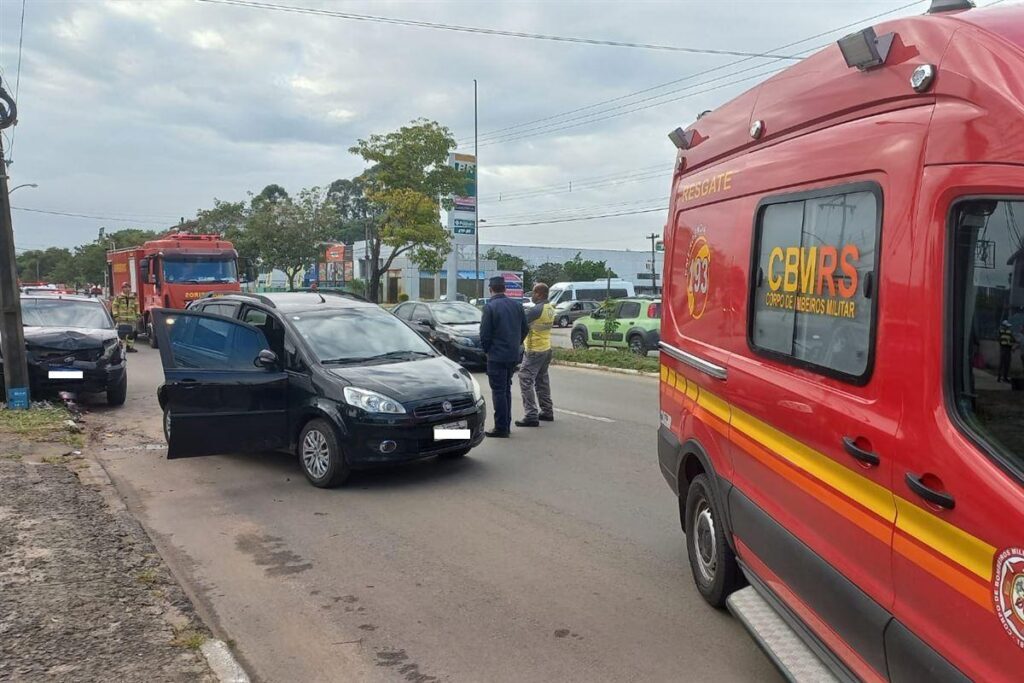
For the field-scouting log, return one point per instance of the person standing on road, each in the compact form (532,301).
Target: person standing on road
(502,331)
(534,382)
(125,309)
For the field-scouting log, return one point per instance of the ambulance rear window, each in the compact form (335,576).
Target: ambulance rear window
(814,276)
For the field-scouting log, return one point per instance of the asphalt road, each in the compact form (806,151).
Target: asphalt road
(553,556)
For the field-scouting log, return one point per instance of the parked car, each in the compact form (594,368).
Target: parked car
(453,328)
(568,312)
(72,346)
(639,326)
(339,381)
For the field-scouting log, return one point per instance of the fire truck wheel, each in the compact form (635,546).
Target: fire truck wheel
(151,336)
(713,563)
(320,455)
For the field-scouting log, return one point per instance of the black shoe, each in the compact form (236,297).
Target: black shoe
(546,418)
(527,423)
(495,434)
(132,349)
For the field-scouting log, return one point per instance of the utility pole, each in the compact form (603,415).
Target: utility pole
(12,335)
(653,237)
(476,199)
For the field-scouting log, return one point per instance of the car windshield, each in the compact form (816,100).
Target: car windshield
(64,313)
(358,334)
(555,294)
(456,313)
(197,269)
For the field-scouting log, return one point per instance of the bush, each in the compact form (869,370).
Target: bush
(403,297)
(609,358)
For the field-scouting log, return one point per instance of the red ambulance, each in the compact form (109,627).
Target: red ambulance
(173,271)
(842,388)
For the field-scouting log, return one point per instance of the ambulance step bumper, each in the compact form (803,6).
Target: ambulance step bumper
(781,643)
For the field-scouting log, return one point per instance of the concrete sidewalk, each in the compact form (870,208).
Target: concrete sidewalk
(83,594)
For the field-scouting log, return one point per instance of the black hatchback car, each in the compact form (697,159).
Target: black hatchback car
(339,381)
(452,327)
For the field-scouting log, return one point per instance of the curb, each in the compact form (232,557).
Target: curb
(603,368)
(216,652)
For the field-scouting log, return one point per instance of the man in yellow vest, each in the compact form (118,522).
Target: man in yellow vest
(534,382)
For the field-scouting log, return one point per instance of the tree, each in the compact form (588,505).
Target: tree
(549,273)
(580,270)
(505,260)
(286,233)
(355,213)
(409,172)
(49,265)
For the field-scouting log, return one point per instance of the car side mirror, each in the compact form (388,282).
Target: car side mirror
(266,359)
(428,323)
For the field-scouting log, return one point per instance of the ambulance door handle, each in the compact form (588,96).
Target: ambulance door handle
(940,498)
(859,453)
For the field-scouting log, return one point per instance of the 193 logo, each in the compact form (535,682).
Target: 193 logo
(698,277)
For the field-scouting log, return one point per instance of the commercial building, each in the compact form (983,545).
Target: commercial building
(406,277)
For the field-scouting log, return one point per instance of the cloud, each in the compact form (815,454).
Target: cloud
(156,107)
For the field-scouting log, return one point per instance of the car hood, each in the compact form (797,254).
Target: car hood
(67,339)
(409,381)
(461,329)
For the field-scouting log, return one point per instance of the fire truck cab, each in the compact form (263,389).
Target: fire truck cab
(173,271)
(842,388)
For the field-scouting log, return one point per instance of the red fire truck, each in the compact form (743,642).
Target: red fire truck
(172,271)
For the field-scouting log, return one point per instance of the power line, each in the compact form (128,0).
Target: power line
(570,186)
(570,210)
(698,74)
(82,215)
(574,220)
(488,31)
(17,80)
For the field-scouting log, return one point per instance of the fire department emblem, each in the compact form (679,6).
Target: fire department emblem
(1009,593)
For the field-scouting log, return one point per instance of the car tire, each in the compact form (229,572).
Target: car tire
(153,344)
(166,423)
(714,566)
(564,321)
(637,345)
(117,394)
(320,455)
(579,339)
(455,455)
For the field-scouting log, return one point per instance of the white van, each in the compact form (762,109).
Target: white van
(598,290)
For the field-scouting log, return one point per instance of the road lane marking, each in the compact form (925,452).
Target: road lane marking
(584,415)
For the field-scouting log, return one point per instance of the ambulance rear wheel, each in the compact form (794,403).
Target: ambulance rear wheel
(712,561)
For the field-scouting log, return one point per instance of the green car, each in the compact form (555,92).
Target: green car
(639,326)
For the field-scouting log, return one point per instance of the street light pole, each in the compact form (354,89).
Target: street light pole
(18,187)
(476,199)
(654,271)
(12,335)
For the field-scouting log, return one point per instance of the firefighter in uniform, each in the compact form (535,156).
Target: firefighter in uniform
(1006,344)
(534,381)
(125,309)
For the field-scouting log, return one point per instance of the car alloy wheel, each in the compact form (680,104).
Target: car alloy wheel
(316,454)
(579,340)
(637,346)
(167,426)
(564,321)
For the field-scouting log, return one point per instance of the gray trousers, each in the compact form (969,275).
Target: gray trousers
(535,384)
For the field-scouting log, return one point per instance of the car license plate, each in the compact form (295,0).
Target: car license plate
(453,431)
(65,373)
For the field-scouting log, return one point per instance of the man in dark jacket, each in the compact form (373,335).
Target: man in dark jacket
(502,331)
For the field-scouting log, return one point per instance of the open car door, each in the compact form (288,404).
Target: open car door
(224,390)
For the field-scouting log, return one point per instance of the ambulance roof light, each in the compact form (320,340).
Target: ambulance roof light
(865,50)
(939,6)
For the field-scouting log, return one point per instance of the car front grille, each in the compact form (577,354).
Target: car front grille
(437,407)
(43,355)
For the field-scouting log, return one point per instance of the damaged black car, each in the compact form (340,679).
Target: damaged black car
(73,347)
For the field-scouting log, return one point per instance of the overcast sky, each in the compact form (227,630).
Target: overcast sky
(144,111)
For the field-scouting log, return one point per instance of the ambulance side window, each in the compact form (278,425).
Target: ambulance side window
(987,325)
(813,280)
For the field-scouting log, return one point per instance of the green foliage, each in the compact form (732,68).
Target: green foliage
(505,260)
(285,233)
(49,265)
(549,273)
(357,286)
(403,297)
(581,270)
(611,325)
(609,358)
(409,170)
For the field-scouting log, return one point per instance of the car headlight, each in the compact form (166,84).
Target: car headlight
(478,393)
(372,402)
(464,341)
